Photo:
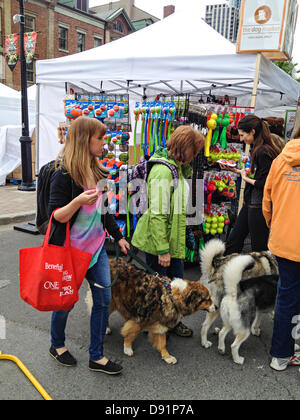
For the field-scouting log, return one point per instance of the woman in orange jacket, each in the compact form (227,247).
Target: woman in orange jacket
(281,211)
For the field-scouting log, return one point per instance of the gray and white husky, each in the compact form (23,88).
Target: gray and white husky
(244,302)
(213,264)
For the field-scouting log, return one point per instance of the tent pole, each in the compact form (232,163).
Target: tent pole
(37,129)
(253,104)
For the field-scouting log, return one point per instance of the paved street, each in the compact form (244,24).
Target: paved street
(199,375)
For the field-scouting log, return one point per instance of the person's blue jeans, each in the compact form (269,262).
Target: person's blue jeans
(287,309)
(100,274)
(176,268)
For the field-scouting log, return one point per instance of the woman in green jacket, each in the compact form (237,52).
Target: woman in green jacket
(161,230)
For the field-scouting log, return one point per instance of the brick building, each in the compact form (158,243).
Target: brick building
(139,18)
(64,27)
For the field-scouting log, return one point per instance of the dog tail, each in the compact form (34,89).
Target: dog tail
(214,248)
(233,273)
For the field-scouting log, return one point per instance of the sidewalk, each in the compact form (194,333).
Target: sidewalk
(16,206)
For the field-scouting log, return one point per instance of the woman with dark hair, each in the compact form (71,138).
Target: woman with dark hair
(255,132)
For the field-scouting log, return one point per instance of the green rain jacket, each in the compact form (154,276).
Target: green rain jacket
(162,228)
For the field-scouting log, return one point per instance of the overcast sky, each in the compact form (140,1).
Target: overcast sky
(155,7)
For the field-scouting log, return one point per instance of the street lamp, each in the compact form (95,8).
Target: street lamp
(25,140)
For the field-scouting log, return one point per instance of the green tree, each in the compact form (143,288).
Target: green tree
(290,68)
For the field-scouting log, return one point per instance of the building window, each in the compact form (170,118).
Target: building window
(118,26)
(29,24)
(80,42)
(97,42)
(30,72)
(63,38)
(82,5)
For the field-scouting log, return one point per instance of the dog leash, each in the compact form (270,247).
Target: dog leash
(149,270)
(92,283)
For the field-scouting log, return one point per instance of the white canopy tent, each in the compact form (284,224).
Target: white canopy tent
(10,107)
(178,55)
(10,128)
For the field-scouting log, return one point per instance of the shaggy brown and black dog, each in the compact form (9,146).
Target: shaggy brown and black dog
(145,303)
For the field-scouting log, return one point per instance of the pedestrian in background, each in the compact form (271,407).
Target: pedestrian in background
(73,191)
(255,132)
(281,210)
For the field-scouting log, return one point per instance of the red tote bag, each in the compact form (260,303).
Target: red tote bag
(51,275)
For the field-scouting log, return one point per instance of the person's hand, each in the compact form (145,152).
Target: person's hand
(87,198)
(164,260)
(229,168)
(244,175)
(124,245)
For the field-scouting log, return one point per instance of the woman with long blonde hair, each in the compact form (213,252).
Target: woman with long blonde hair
(75,197)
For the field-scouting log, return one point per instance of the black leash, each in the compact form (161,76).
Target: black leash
(92,283)
(149,270)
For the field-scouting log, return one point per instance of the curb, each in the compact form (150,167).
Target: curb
(17,217)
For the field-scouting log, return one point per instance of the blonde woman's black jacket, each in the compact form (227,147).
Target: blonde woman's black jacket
(62,191)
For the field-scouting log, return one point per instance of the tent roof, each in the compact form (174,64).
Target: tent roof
(180,54)
(7,92)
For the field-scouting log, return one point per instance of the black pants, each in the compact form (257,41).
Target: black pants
(250,220)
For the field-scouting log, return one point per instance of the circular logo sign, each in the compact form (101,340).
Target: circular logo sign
(263,14)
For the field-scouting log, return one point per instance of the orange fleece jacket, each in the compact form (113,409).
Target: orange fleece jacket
(281,203)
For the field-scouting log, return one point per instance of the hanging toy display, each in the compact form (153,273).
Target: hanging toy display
(223,138)
(137,114)
(143,112)
(216,134)
(156,127)
(157,122)
(172,112)
(216,220)
(211,125)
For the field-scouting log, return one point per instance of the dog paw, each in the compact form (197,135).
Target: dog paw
(206,344)
(128,351)
(108,331)
(170,360)
(221,351)
(256,331)
(239,360)
(217,330)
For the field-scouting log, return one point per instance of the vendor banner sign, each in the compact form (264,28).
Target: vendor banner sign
(268,26)
(29,46)
(12,50)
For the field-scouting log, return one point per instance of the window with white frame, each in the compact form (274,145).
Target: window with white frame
(30,72)
(80,41)
(82,5)
(118,26)
(63,38)
(29,23)
(97,41)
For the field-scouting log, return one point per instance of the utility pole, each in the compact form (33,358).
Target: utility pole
(26,158)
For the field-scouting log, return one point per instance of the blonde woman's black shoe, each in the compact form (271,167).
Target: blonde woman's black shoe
(65,359)
(110,368)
